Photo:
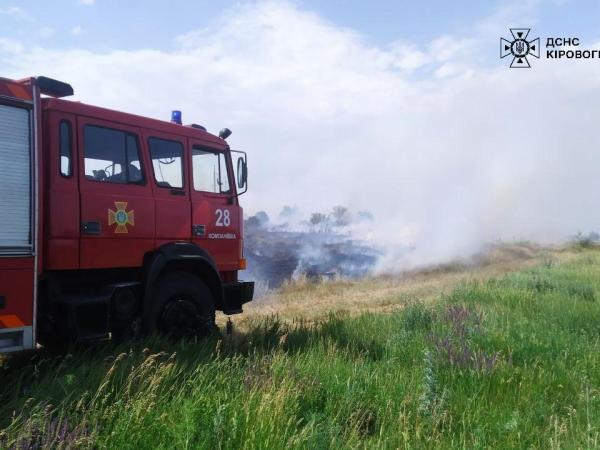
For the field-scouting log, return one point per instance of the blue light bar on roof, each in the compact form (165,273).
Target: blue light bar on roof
(176,117)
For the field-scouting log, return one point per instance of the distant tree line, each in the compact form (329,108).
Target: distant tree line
(319,222)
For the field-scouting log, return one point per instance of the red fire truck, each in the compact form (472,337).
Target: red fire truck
(112,223)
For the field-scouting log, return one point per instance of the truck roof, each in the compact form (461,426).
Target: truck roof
(83,109)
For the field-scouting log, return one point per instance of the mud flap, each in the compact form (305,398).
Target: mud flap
(235,295)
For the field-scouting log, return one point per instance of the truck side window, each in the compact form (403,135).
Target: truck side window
(134,166)
(111,156)
(167,162)
(210,171)
(65,148)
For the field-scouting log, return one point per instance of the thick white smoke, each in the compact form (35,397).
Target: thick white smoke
(447,148)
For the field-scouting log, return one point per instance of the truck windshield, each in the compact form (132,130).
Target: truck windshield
(210,171)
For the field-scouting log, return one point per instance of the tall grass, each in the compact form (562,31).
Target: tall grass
(511,362)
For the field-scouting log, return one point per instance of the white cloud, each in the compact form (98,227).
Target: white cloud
(462,155)
(409,57)
(15,12)
(76,30)
(10,46)
(86,2)
(46,32)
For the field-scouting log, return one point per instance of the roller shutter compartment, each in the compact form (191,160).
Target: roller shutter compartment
(15,180)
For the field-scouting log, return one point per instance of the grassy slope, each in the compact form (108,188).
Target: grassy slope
(469,361)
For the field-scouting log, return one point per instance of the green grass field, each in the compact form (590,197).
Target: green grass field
(508,362)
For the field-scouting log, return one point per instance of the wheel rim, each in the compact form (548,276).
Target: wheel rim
(180,317)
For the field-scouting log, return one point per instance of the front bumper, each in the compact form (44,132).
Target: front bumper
(235,295)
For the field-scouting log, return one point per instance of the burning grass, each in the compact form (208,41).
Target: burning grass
(496,358)
(391,292)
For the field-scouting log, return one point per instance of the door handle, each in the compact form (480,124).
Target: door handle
(93,228)
(178,192)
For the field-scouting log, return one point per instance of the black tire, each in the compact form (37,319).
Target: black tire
(184,306)
(127,331)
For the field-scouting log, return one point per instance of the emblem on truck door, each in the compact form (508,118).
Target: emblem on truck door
(121,217)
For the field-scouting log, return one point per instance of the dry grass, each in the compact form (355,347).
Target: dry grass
(510,362)
(389,292)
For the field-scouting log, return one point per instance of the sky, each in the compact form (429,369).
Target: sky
(134,24)
(401,108)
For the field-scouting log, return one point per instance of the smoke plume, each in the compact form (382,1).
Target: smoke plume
(444,145)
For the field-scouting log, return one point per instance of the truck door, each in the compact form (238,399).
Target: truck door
(61,192)
(117,208)
(216,215)
(18,222)
(170,185)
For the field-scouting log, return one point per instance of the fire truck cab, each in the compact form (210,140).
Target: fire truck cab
(112,223)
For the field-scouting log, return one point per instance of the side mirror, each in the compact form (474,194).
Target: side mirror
(242,172)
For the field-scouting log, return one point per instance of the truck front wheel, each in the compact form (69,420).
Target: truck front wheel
(185,306)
